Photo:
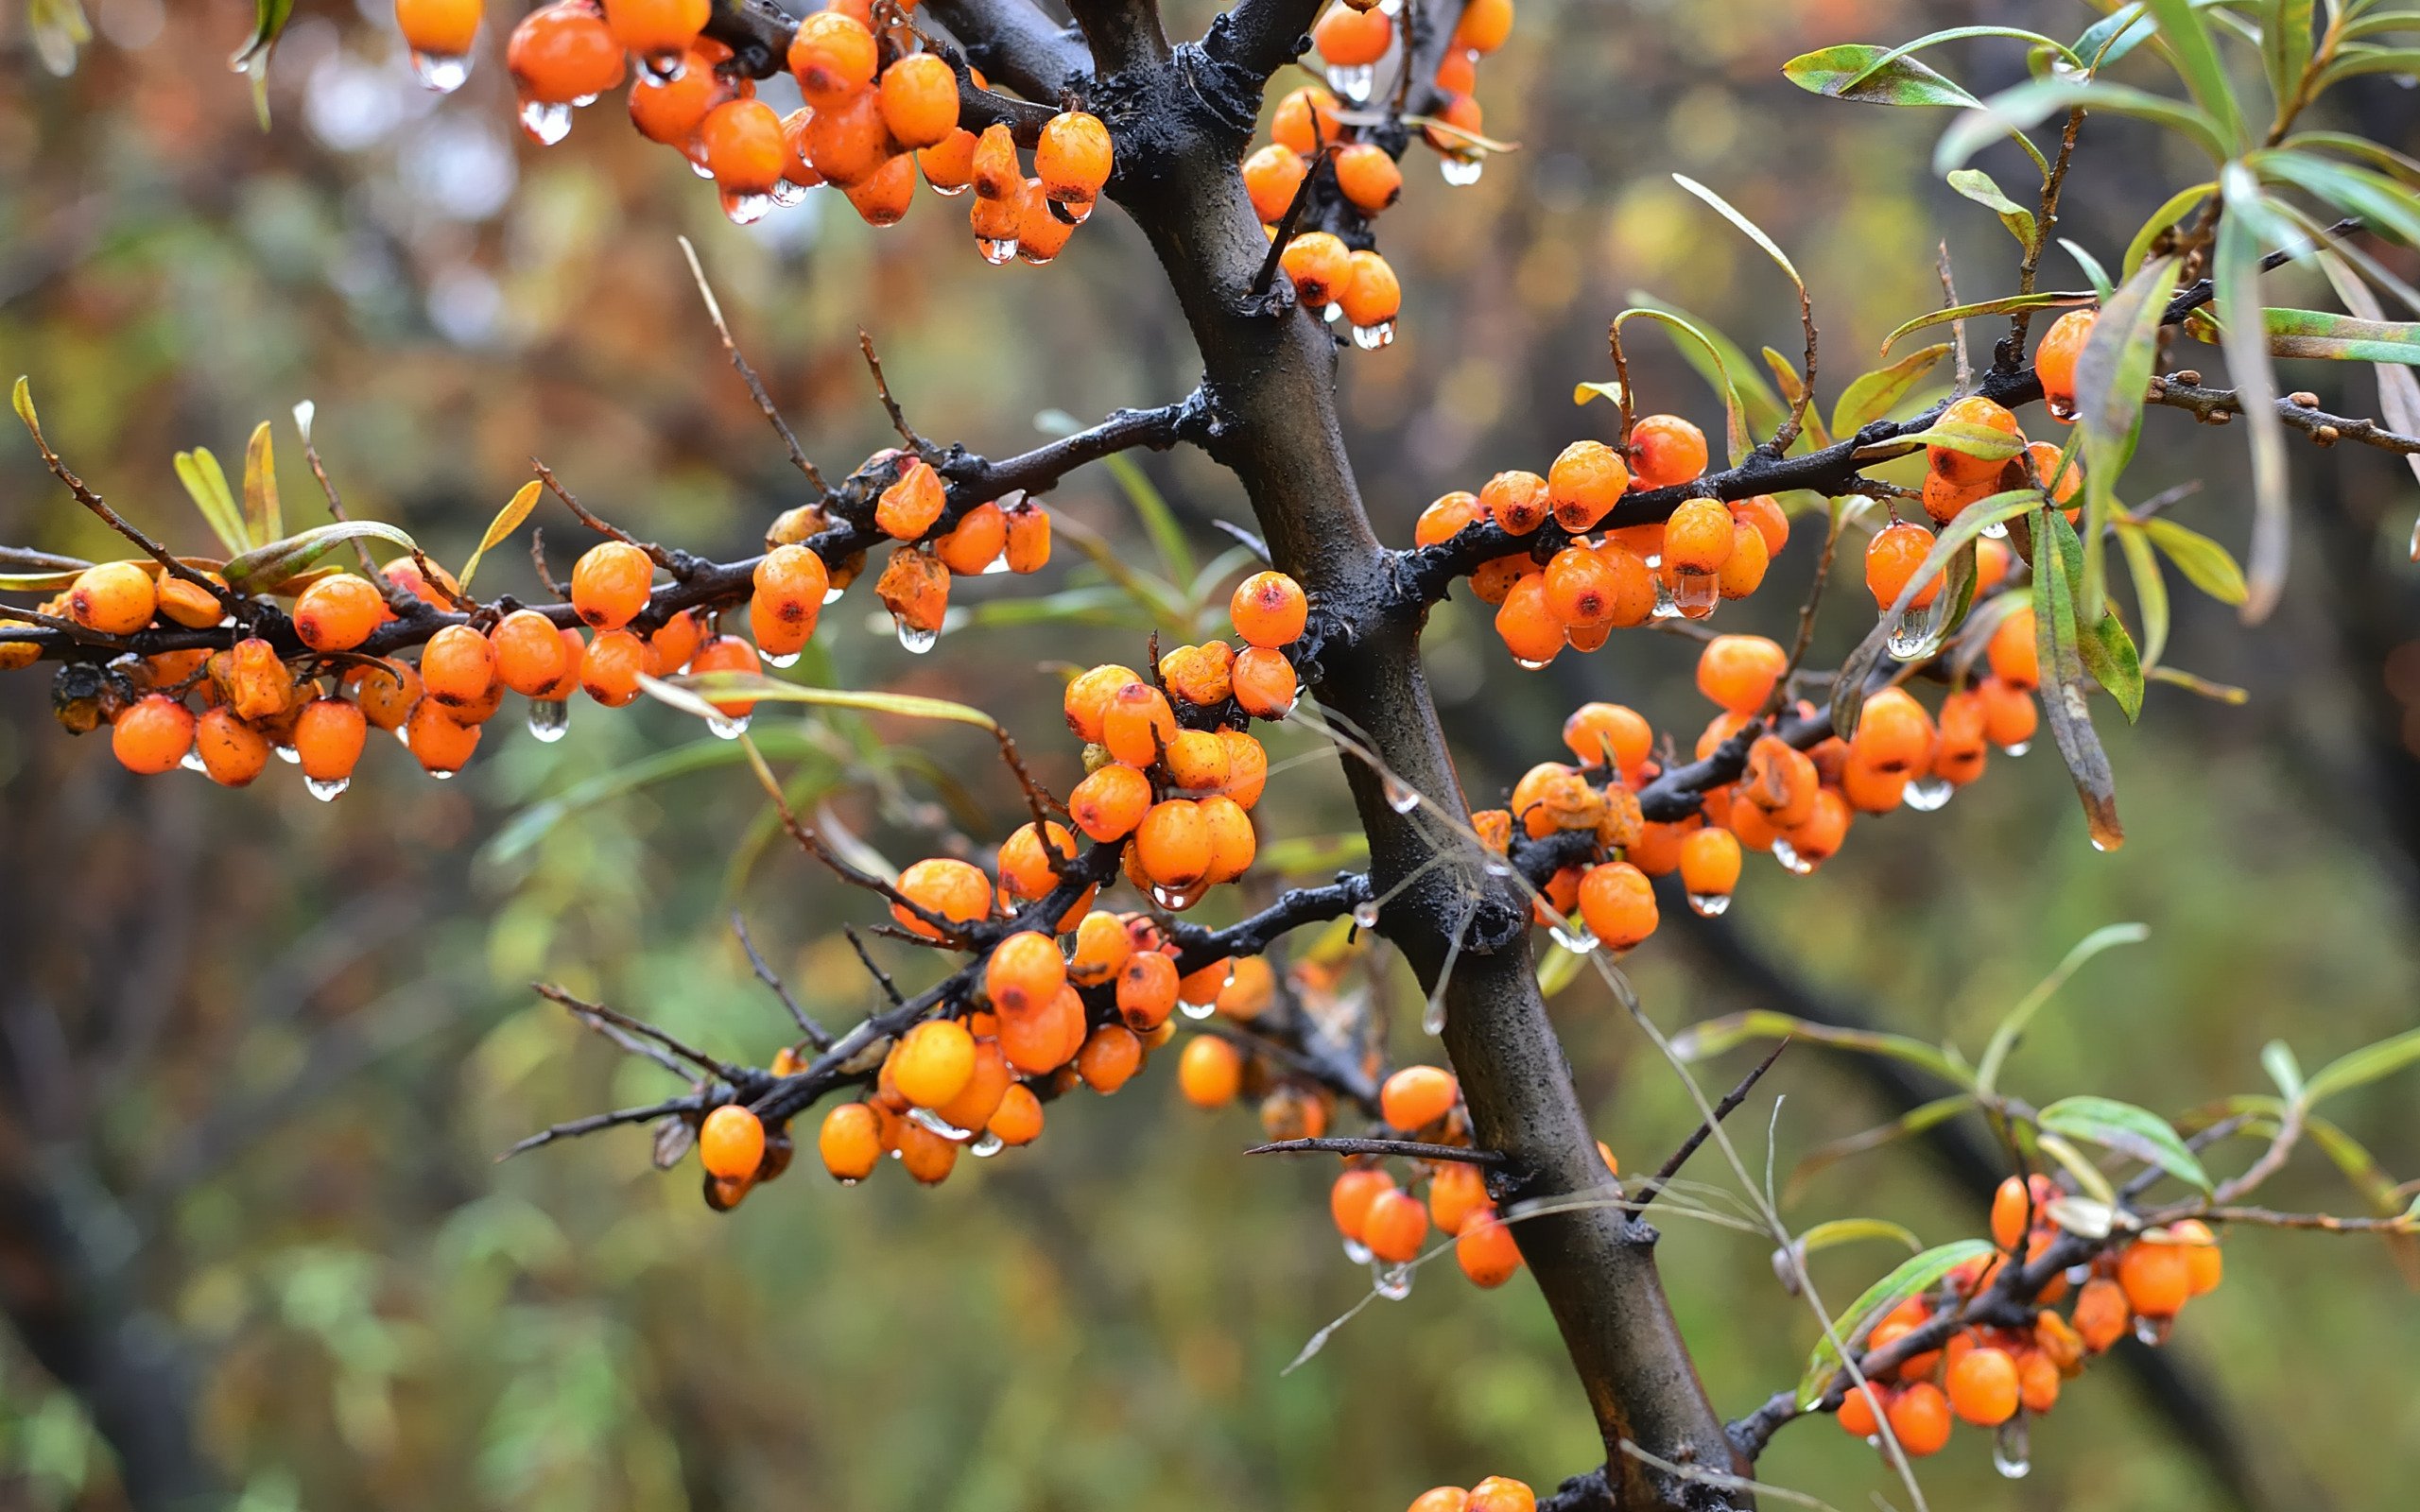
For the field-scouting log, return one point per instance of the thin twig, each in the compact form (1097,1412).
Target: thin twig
(2011,350)
(227,598)
(1405,1149)
(817,1035)
(1267,276)
(882,978)
(1956,328)
(655,554)
(748,374)
(1721,1110)
(882,390)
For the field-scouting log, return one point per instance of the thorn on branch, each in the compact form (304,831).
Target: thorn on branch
(655,554)
(1405,1149)
(227,598)
(748,374)
(816,1034)
(882,978)
(916,443)
(1722,1109)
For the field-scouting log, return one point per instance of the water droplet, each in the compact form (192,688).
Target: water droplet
(848,1181)
(2061,410)
(327,789)
(1357,1252)
(1461,171)
(950,193)
(1353,82)
(787,194)
(667,67)
(1573,935)
(832,595)
(549,718)
(697,167)
(1996,530)
(986,1145)
(403,736)
(1390,7)
(1197,1011)
(1695,593)
(1073,214)
(2017,749)
(1432,1018)
(934,1122)
(1365,914)
(746,210)
(192,761)
(2104,832)
(915,641)
(1394,1283)
(2078,1275)
(2013,1449)
(1667,608)
(1710,905)
(1927,793)
(582,102)
(997,252)
(1495,865)
(546,123)
(997,565)
(1401,795)
(1370,337)
(896,1155)
(288,755)
(779,659)
(1791,862)
(725,728)
(2153,1330)
(443,777)
(1528,665)
(442,71)
(1913,632)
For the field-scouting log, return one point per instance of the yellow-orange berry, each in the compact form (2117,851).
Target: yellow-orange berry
(1368,176)
(337,614)
(440,29)
(1018,1120)
(386,691)
(1136,724)
(442,744)
(531,655)
(1484,25)
(1984,1386)
(2157,1276)
(561,53)
(328,737)
(1088,697)
(1025,971)
(1585,482)
(1920,1420)
(1396,1225)
(2054,361)
(1348,38)
(1739,671)
(744,146)
(1666,450)
(1698,537)
(1710,864)
(997,173)
(1743,570)
(1172,844)
(231,751)
(1268,609)
(1148,988)
(914,585)
(1484,1249)
(115,598)
(1109,803)
(153,735)
(669,110)
(610,669)
(920,101)
(1111,1054)
(1210,1072)
(1445,519)
(458,666)
(1518,501)
(1976,411)
(949,165)
(789,585)
(655,28)
(908,508)
(1618,903)
(834,56)
(609,584)
(1892,560)
(850,1142)
(1264,683)
(1417,1096)
(1305,120)
(1441,1498)
(730,1143)
(1530,628)
(1318,265)
(953,891)
(1764,511)
(1373,298)
(846,141)
(1073,158)
(1595,728)
(932,1062)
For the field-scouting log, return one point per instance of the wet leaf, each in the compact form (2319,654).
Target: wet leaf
(2204,563)
(2161,219)
(205,481)
(500,529)
(267,568)
(1912,1277)
(1871,396)
(1976,185)
(1700,352)
(2363,1066)
(1747,228)
(2136,1133)
(2341,337)
(2277,1059)
(2150,588)
(2063,700)
(2285,47)
(2037,100)
(2236,276)
(264,517)
(1858,71)
(1559,970)
(2005,304)
(2196,56)
(2113,375)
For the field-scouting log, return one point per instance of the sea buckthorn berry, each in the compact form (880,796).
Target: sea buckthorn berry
(1441,1498)
(1200,675)
(440,742)
(2037,1382)
(1046,1038)
(1445,519)
(1920,1420)
(1268,609)
(404,572)
(789,585)
(191,605)
(2204,1266)
(1585,482)
(386,691)
(530,656)
(610,670)
(1196,760)
(1147,990)
(1457,120)
(1528,623)
(1858,1416)
(1634,586)
(251,679)
(1595,729)
(1709,867)
(1073,158)
(1580,588)
(1519,502)
(1417,1096)
(1892,559)
(1501,1493)
(2054,362)
(1618,903)
(442,28)
(335,613)
(1305,119)
(1373,298)
(744,146)
(1396,1225)
(609,584)
(1251,987)
(920,101)
(458,666)
(328,737)
(1318,265)
(850,1142)
(2008,715)
(976,541)
(1111,1055)
(1136,724)
(1743,570)
(2013,656)
(908,508)
(1457,72)
(153,735)
(1781,780)
(2158,1277)
(1493,580)
(2057,472)
(925,1154)
(730,1143)
(115,598)
(1973,410)
(669,110)
(1101,948)
(1247,768)
(1018,1120)
(1984,1386)
(656,27)
(1028,537)
(1945,496)
(1666,450)
(2102,1314)
(954,890)
(949,166)
(1348,38)
(1265,682)
(1026,971)
(999,175)
(1893,735)
(914,585)
(1697,537)
(1349,1198)
(1764,511)
(1483,1246)
(834,56)
(1739,671)
(1368,176)
(1026,870)
(2013,1206)
(1484,25)
(932,1062)
(1818,839)
(1172,844)
(563,53)
(1088,697)
(1210,1072)
(1108,804)
(846,141)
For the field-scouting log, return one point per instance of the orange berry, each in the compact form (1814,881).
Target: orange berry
(1580,588)
(925,1154)
(1089,695)
(999,175)
(1857,1417)
(1019,1118)
(1920,1420)
(563,53)
(920,101)
(442,28)
(2101,1314)
(730,1143)
(458,666)
(2061,474)
(1893,735)
(1026,971)
(2010,1208)
(1501,1493)
(1618,903)
(1264,683)
(1047,1037)
(1585,482)
(1484,25)
(2037,1382)
(2205,1266)
(1148,987)
(1492,581)
(1892,559)
(1268,609)
(610,669)
(2013,653)
(1320,265)
(1739,671)
(1172,845)
(530,656)
(949,166)
(1527,623)
(1973,410)
(328,737)
(1349,1199)
(1073,158)
(1372,297)
(914,585)
(2158,1277)
(1666,450)
(976,541)
(789,585)
(1519,502)
(440,742)
(153,735)
(1305,119)
(1136,724)
(115,598)
(1111,1055)
(908,508)
(2054,362)
(1445,519)
(1394,1227)
(1765,512)
(744,146)
(1743,570)
(846,141)
(1780,780)
(834,56)
(1232,842)
(1108,804)
(1210,1072)
(1698,537)
(1247,768)
(1984,1386)
(337,614)
(670,110)
(1709,863)
(1102,947)
(1417,1096)
(932,1062)
(1250,988)
(2008,715)
(1594,729)
(1455,1192)
(1199,674)
(405,574)
(1460,113)
(386,691)
(953,891)
(850,1142)
(1348,38)
(1025,867)
(1484,1247)
(655,28)
(1367,177)
(609,584)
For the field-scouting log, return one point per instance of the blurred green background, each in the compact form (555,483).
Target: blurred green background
(259,1052)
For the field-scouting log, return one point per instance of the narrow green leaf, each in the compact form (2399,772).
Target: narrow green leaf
(1747,228)
(2363,1066)
(2136,1133)
(2013,1024)
(2098,276)
(2351,62)
(1934,39)
(1700,352)
(2382,203)
(1986,442)
(1976,185)
(1912,1277)
(2037,100)
(2040,299)
(2162,219)
(2342,338)
(1610,392)
(2236,276)
(2285,50)
(1856,71)
(263,518)
(1871,396)
(1559,970)
(2150,588)
(2110,655)
(265,568)
(500,529)
(2204,563)
(2379,1189)
(2063,701)
(2398,388)
(1839,1232)
(691,693)
(2396,164)
(2113,373)
(2115,35)
(2087,1175)
(2277,1058)
(21,398)
(1711,1037)
(206,483)
(2196,56)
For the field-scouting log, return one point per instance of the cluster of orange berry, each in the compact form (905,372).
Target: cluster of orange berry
(1354,286)
(1386,1224)
(1705,552)
(1354,37)
(1990,1376)
(1497,1493)
(877,111)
